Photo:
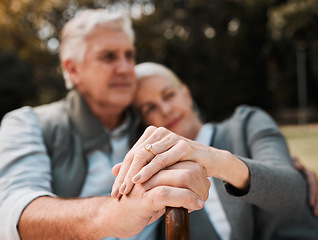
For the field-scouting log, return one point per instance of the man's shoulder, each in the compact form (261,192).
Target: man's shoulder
(23,116)
(50,109)
(52,116)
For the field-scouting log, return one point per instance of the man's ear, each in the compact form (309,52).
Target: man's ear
(71,67)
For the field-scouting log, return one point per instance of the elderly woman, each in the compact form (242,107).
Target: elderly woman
(255,193)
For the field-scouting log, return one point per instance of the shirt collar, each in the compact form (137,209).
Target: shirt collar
(90,129)
(205,134)
(123,128)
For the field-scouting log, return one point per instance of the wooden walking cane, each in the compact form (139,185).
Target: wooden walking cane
(177,224)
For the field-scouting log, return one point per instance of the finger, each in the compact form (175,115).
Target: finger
(121,176)
(115,169)
(297,163)
(160,197)
(198,175)
(176,153)
(180,178)
(127,162)
(140,159)
(156,149)
(312,183)
(147,133)
(142,156)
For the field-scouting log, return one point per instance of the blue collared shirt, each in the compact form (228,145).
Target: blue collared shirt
(25,169)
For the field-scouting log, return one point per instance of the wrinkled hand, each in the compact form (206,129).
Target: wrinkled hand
(183,184)
(312,182)
(141,164)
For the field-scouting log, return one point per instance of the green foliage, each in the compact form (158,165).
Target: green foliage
(15,82)
(228,52)
(217,48)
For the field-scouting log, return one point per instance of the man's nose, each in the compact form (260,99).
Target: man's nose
(124,65)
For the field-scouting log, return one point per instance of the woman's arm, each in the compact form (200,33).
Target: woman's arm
(268,179)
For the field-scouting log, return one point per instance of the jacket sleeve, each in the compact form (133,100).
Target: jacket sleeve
(25,172)
(275,184)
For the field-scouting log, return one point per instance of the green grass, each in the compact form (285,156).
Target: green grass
(303,143)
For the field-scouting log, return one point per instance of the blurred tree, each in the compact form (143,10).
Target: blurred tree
(31,29)
(229,52)
(217,47)
(15,82)
(294,29)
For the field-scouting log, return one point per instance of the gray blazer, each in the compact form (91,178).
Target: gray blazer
(275,206)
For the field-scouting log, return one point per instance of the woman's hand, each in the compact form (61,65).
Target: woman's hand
(140,163)
(159,148)
(312,182)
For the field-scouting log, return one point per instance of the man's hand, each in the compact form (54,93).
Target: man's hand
(181,185)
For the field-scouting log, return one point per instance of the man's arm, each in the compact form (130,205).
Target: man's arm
(183,184)
(24,168)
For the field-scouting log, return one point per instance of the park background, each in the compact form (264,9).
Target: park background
(229,52)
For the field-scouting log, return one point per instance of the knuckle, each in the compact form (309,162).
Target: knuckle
(183,143)
(160,161)
(171,136)
(159,133)
(128,158)
(149,200)
(197,168)
(190,199)
(150,129)
(140,155)
(201,170)
(186,177)
(163,193)
(163,130)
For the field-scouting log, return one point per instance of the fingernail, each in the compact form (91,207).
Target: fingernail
(136,178)
(200,203)
(114,192)
(122,188)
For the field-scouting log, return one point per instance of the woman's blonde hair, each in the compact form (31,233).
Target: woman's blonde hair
(150,69)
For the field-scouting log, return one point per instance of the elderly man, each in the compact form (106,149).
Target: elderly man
(56,160)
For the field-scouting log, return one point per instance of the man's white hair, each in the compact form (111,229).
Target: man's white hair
(72,43)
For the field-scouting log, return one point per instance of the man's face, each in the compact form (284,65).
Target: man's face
(106,76)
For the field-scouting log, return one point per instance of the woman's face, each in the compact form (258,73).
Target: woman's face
(164,104)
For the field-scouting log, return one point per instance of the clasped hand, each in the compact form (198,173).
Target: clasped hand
(167,159)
